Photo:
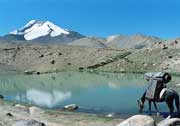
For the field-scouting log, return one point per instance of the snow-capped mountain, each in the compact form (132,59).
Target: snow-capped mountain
(43,31)
(35,29)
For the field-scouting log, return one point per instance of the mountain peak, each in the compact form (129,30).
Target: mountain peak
(35,29)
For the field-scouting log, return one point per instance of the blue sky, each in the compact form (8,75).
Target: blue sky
(96,17)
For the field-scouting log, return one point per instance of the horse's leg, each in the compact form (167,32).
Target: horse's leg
(171,107)
(149,101)
(156,108)
(177,104)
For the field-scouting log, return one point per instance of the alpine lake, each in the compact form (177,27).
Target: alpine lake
(100,93)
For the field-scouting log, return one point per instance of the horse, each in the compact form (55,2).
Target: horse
(168,96)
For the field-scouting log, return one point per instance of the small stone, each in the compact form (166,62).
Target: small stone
(38,73)
(122,70)
(170,57)
(19,106)
(41,56)
(35,110)
(69,63)
(29,72)
(165,47)
(18,48)
(53,62)
(81,68)
(111,59)
(165,68)
(103,63)
(9,114)
(71,107)
(145,65)
(49,54)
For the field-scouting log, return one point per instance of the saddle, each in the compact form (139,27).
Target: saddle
(156,85)
(155,90)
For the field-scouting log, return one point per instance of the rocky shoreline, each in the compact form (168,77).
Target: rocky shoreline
(25,115)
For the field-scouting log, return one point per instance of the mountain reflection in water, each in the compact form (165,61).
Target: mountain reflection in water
(43,98)
(107,92)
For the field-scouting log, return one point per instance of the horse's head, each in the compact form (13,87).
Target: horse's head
(140,105)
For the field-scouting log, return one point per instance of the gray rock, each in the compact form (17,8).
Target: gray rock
(21,107)
(170,122)
(138,120)
(30,122)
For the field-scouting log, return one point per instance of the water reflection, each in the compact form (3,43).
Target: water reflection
(110,92)
(45,99)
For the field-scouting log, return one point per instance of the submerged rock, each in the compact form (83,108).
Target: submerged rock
(111,115)
(71,107)
(138,120)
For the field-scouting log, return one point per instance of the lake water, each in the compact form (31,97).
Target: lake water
(96,93)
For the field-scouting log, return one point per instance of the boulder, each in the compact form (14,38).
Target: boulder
(35,110)
(71,107)
(170,122)
(138,120)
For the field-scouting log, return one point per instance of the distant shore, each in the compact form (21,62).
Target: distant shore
(40,59)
